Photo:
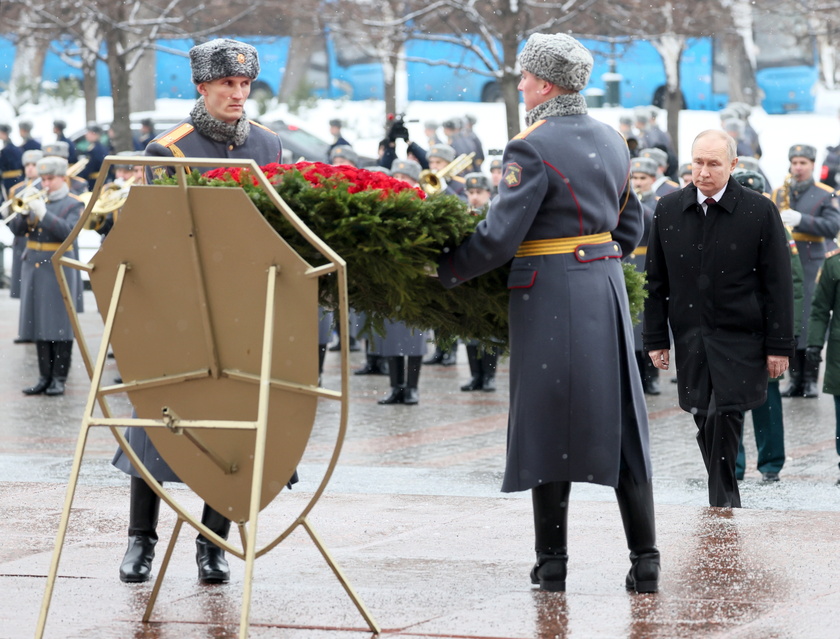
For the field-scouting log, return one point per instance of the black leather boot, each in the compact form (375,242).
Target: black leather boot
(476,383)
(651,378)
(794,372)
(412,394)
(635,502)
(810,373)
(488,363)
(551,514)
(436,358)
(212,566)
(44,351)
(450,356)
(396,371)
(322,354)
(136,565)
(62,351)
(371,366)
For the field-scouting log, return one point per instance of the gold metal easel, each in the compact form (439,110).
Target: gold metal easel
(200,357)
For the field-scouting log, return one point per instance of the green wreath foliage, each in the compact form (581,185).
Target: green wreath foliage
(391,243)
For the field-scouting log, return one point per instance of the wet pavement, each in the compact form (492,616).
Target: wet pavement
(415,519)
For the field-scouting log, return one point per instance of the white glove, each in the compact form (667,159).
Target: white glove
(791,217)
(38,207)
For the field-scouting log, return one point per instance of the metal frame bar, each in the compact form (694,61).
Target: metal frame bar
(98,393)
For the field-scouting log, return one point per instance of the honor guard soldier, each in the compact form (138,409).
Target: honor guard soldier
(663,184)
(810,209)
(11,165)
(95,153)
(439,156)
(496,173)
(217,127)
(31,183)
(479,191)
(58,128)
(28,143)
(643,173)
(46,221)
(566,216)
(768,419)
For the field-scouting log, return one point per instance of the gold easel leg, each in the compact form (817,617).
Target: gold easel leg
(62,529)
(162,571)
(259,450)
(371,622)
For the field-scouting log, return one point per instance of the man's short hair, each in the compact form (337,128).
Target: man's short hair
(731,145)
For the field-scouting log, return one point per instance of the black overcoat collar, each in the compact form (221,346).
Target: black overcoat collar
(729,200)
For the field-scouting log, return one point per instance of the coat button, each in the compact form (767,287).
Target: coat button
(699,247)
(37,265)
(581,252)
(230,148)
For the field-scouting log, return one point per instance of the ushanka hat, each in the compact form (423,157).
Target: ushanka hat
(802,151)
(643,165)
(557,58)
(408,168)
(52,165)
(223,58)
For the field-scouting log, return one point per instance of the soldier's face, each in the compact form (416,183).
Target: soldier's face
(225,97)
(534,90)
(436,163)
(642,182)
(801,169)
(711,165)
(478,197)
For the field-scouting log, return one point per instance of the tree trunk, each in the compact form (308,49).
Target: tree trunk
(120,92)
(90,91)
(740,75)
(510,82)
(25,79)
(301,48)
(670,47)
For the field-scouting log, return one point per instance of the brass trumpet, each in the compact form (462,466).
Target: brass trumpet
(433,182)
(20,203)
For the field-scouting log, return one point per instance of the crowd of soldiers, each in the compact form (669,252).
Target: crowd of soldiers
(809,209)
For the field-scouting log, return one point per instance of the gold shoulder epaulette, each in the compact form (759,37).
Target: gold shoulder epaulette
(824,187)
(175,134)
(524,134)
(832,253)
(672,183)
(76,197)
(262,126)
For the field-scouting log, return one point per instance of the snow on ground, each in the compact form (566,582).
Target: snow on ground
(363,126)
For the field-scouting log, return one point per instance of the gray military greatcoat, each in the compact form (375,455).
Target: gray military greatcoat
(43,316)
(576,404)
(399,340)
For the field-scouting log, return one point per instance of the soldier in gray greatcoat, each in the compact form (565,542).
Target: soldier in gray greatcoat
(46,223)
(31,182)
(809,208)
(566,215)
(217,127)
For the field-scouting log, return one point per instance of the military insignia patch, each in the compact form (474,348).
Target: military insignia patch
(513,175)
(240,58)
(159,172)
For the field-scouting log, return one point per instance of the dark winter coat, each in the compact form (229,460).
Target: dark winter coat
(576,401)
(824,324)
(723,282)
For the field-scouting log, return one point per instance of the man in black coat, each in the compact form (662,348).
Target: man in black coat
(719,273)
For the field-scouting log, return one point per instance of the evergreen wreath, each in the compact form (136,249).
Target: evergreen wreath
(390,235)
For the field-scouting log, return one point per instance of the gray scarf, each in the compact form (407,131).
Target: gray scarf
(217,130)
(798,188)
(567,104)
(59,194)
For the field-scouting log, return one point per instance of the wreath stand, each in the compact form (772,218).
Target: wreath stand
(213,319)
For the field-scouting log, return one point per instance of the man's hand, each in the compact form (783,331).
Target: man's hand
(661,358)
(38,208)
(776,365)
(791,217)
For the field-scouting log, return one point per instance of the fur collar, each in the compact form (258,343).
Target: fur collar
(567,104)
(217,130)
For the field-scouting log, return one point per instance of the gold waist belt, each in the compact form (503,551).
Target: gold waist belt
(43,246)
(11,174)
(807,237)
(559,245)
(640,250)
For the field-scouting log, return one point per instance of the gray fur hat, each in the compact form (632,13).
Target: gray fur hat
(643,165)
(496,163)
(31,156)
(657,155)
(802,151)
(748,163)
(442,151)
(733,125)
(52,165)
(346,153)
(477,181)
(223,58)
(557,58)
(59,149)
(379,169)
(409,168)
(685,169)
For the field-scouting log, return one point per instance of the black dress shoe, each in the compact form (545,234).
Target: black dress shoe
(436,358)
(550,574)
(212,566)
(473,385)
(136,565)
(411,396)
(40,386)
(56,387)
(396,396)
(769,477)
(367,369)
